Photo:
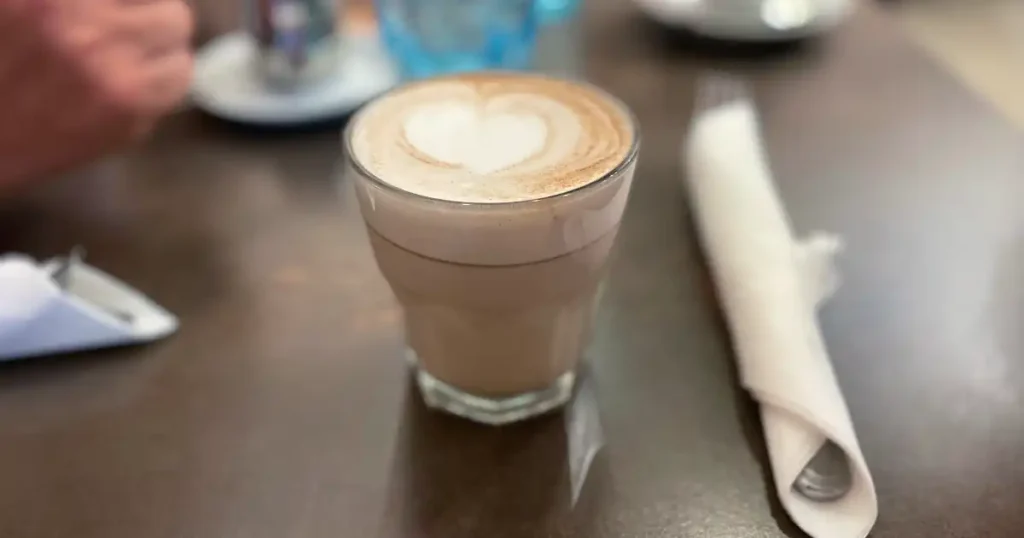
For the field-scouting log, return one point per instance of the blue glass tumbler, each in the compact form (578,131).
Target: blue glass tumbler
(555,11)
(430,37)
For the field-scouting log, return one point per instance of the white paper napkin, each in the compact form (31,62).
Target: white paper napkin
(94,310)
(770,285)
(23,295)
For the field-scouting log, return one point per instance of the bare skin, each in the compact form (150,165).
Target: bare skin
(80,78)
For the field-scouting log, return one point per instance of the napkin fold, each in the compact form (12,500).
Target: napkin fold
(770,285)
(93,310)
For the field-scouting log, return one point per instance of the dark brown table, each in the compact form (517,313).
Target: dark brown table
(283,410)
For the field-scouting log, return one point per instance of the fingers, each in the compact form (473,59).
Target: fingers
(164,53)
(80,77)
(168,80)
(148,68)
(158,28)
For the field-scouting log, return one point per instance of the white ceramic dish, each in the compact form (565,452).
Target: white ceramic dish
(749,20)
(226,85)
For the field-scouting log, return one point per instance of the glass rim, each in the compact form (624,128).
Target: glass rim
(617,170)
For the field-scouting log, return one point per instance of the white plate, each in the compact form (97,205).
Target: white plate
(225,84)
(749,20)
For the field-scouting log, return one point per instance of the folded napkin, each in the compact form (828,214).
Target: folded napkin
(770,285)
(42,312)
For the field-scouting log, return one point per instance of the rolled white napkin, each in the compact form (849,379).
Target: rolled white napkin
(770,285)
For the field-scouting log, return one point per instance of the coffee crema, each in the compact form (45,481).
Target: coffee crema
(492,138)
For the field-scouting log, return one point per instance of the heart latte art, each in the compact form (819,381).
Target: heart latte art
(491,138)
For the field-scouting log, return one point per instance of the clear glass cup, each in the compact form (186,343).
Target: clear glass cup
(430,37)
(497,298)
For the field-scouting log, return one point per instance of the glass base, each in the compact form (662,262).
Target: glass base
(494,411)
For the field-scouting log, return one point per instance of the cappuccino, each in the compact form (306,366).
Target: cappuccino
(492,202)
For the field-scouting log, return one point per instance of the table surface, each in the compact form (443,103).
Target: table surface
(283,409)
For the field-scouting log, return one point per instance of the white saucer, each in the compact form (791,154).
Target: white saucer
(225,84)
(761,21)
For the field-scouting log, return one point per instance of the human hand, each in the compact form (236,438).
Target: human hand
(79,78)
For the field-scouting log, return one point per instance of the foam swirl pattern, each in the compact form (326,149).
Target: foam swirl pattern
(492,138)
(493,169)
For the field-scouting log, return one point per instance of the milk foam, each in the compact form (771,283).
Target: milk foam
(474,138)
(491,138)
